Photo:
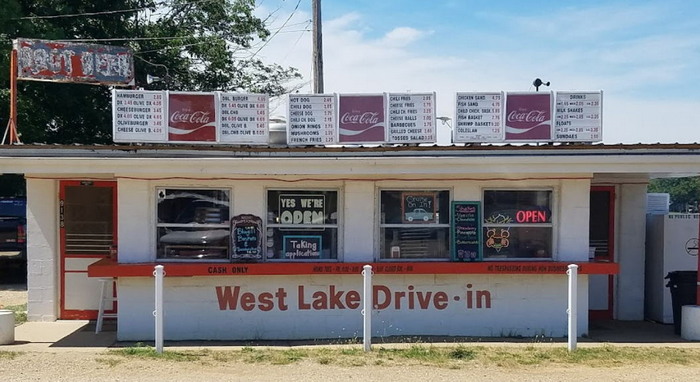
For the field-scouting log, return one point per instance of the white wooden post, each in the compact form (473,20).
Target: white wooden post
(158,313)
(367,307)
(573,303)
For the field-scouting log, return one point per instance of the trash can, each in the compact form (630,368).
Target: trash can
(683,286)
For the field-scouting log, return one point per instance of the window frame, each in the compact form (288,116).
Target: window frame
(379,225)
(338,226)
(159,225)
(553,224)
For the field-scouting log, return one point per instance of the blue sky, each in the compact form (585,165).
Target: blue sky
(644,55)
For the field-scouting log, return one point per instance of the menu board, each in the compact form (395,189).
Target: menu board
(411,118)
(243,118)
(246,239)
(479,118)
(138,116)
(312,119)
(466,228)
(578,117)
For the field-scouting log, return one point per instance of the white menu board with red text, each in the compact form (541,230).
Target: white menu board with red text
(411,118)
(579,117)
(311,119)
(139,116)
(244,118)
(478,117)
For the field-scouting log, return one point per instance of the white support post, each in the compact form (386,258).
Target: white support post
(572,311)
(367,307)
(158,313)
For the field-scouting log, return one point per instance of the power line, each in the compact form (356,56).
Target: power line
(81,14)
(275,34)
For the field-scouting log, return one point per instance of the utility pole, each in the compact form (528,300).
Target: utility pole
(318,47)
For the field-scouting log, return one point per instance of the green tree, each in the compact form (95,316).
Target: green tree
(196,45)
(684,192)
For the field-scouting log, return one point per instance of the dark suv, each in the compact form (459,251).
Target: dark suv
(13,234)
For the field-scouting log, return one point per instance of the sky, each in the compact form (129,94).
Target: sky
(643,55)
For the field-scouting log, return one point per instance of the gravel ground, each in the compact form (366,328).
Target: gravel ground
(81,366)
(13,294)
(71,365)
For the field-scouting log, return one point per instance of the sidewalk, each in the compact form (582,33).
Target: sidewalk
(80,336)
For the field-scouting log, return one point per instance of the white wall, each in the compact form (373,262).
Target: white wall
(520,305)
(667,238)
(42,250)
(358,210)
(631,231)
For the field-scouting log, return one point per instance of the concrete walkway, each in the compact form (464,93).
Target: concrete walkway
(80,336)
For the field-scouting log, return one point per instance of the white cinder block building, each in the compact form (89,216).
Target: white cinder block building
(268,243)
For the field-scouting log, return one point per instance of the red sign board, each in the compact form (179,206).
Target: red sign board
(529,116)
(362,119)
(43,60)
(191,117)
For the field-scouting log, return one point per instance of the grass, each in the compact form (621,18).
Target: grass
(452,357)
(20,313)
(9,354)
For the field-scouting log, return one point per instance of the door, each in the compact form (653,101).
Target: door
(88,224)
(602,244)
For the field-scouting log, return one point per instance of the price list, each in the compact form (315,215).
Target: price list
(138,116)
(412,118)
(478,118)
(312,119)
(578,117)
(244,118)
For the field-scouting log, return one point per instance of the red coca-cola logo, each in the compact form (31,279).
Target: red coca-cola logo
(360,118)
(194,117)
(527,116)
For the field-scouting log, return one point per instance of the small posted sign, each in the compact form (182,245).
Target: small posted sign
(246,237)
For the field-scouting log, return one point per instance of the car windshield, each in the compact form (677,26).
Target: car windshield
(13,208)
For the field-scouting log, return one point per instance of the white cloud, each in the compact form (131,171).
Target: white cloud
(354,62)
(402,36)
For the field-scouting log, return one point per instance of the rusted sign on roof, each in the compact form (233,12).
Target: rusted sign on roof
(57,61)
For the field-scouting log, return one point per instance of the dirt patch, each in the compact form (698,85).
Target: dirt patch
(13,294)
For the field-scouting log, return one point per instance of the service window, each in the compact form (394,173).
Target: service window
(302,225)
(414,224)
(193,223)
(517,224)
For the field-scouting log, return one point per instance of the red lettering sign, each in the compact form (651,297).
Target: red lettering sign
(531,217)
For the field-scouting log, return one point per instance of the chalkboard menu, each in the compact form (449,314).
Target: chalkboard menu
(466,229)
(246,239)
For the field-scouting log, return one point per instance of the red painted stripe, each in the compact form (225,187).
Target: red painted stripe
(108,268)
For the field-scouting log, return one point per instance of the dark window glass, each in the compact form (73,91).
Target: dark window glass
(193,224)
(517,224)
(302,225)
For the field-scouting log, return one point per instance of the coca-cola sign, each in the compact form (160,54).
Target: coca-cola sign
(361,119)
(191,117)
(528,116)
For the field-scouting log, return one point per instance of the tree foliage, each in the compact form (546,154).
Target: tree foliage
(684,192)
(196,45)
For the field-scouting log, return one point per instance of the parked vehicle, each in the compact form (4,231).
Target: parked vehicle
(13,234)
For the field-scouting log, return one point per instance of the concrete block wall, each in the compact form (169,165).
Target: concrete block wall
(454,305)
(42,250)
